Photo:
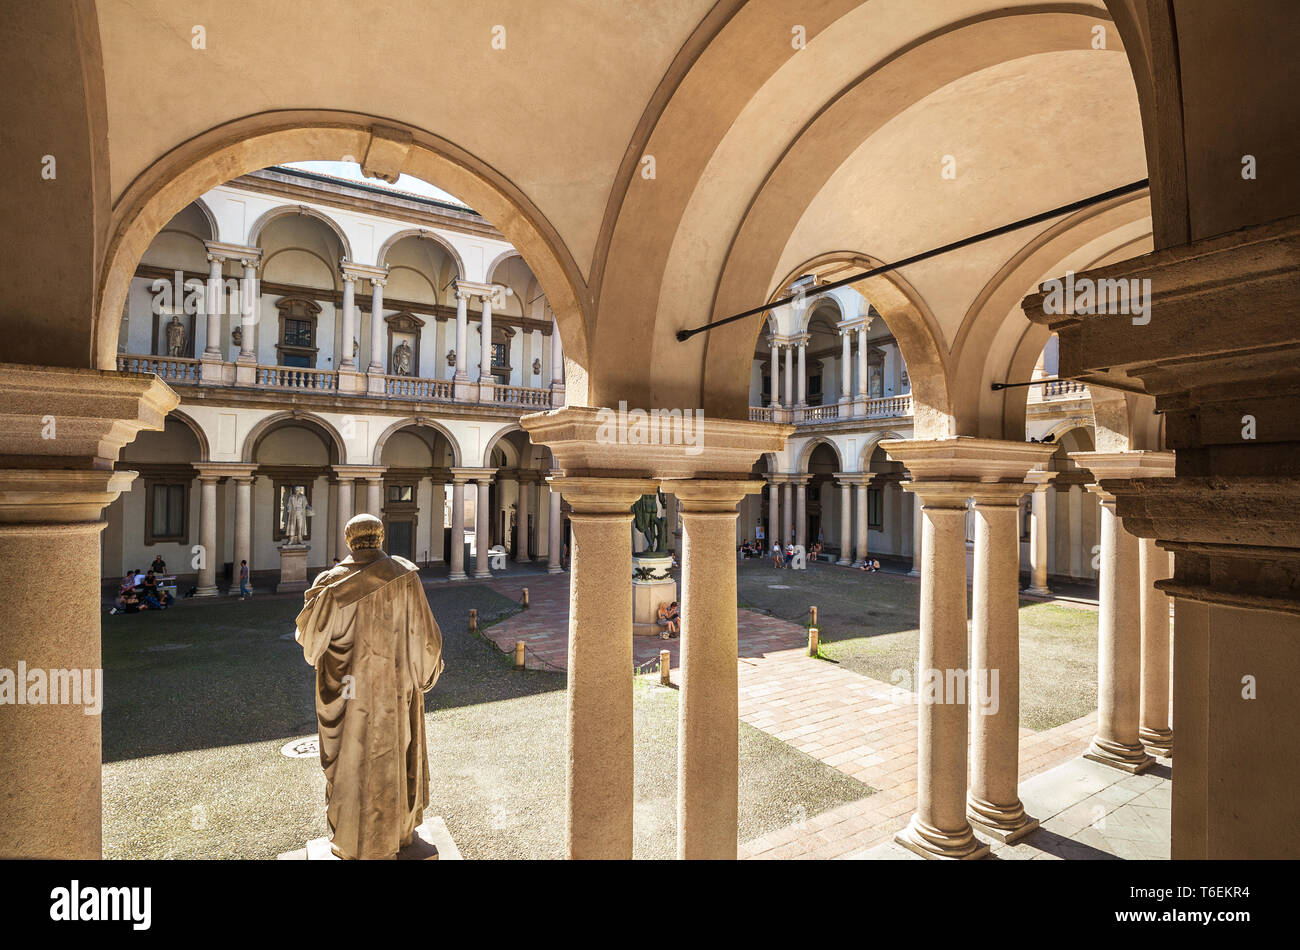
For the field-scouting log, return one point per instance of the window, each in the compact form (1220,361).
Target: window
(297,344)
(400,493)
(875,508)
(166,516)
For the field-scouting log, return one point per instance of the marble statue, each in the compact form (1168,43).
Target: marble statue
(537,367)
(402,359)
(296,513)
(237,336)
(176,337)
(451,357)
(367,628)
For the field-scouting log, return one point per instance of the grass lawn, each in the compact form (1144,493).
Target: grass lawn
(201,699)
(868,623)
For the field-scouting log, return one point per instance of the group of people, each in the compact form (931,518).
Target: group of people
(143,591)
(670,618)
(870,565)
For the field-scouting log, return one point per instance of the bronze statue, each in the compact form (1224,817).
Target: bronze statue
(653,526)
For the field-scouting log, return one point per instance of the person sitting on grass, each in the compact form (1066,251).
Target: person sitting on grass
(666,619)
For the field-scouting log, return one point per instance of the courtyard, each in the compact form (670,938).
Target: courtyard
(202,699)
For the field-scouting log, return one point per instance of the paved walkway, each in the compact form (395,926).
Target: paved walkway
(863,727)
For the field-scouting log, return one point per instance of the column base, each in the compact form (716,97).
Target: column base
(1132,759)
(843,562)
(930,842)
(913,573)
(206,592)
(555,570)
(1158,742)
(1006,823)
(1038,591)
(375,383)
(457,576)
(245,371)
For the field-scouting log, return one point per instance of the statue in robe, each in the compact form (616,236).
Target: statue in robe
(296,512)
(653,526)
(176,337)
(367,628)
(402,359)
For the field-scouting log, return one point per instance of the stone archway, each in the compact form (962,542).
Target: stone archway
(254,142)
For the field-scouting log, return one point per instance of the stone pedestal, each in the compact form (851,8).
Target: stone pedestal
(293,568)
(431,842)
(647,595)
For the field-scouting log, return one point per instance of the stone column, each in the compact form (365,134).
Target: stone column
(557,365)
(212,349)
(787,514)
(207,580)
(555,537)
(803,371)
(846,368)
(773,512)
(940,827)
(776,373)
(863,376)
(846,522)
(993,802)
(243,529)
(250,307)
(1038,541)
(347,363)
(54,487)
(462,335)
(456,556)
(789,375)
(483,524)
(1076,530)
(378,358)
(521,520)
(801,512)
(1154,730)
(1119,646)
(599,778)
(708,713)
(437,505)
(343,515)
(485,341)
(861,547)
(918,534)
(375,495)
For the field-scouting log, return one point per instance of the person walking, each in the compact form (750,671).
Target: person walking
(244,592)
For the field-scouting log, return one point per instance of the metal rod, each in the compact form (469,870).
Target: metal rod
(1033,382)
(684,335)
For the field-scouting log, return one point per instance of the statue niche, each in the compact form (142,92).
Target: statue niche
(404,332)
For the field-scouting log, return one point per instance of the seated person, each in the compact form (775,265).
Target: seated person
(150,585)
(667,620)
(131,602)
(138,576)
(159,566)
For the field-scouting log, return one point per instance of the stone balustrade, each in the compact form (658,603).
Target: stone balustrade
(415,387)
(171,369)
(522,396)
(298,378)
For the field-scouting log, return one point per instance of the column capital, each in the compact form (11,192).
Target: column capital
(229,252)
(590,441)
(353,472)
(473,474)
(219,470)
(854,478)
(1112,466)
(700,495)
(967,459)
(350,269)
(589,495)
